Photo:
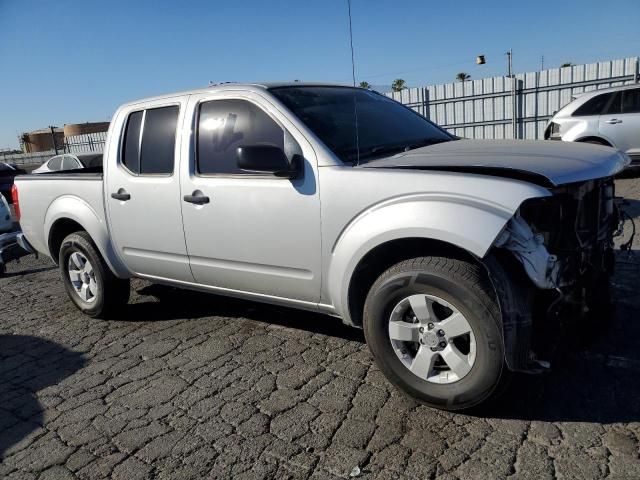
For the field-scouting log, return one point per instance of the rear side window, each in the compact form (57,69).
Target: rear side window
(55,163)
(615,106)
(595,106)
(631,101)
(131,150)
(225,125)
(69,163)
(154,153)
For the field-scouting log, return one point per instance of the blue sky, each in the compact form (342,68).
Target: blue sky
(70,61)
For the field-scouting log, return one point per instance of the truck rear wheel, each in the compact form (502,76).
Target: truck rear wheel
(434,327)
(89,282)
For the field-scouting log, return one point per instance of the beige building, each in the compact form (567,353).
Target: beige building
(42,140)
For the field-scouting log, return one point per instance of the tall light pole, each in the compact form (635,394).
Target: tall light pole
(509,55)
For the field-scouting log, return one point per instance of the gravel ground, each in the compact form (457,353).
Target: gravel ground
(186,385)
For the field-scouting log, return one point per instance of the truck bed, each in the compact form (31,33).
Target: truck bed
(43,197)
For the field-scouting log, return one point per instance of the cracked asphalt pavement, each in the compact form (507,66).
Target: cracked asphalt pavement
(187,385)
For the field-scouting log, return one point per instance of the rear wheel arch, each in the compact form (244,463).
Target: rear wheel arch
(63,226)
(88,280)
(60,229)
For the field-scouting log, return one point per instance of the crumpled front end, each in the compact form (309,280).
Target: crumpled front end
(564,245)
(569,239)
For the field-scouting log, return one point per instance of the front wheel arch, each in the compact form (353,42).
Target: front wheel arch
(595,140)
(383,256)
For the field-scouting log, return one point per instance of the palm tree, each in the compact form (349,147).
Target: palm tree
(462,76)
(398,85)
(365,85)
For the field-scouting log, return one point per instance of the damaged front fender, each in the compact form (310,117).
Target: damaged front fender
(528,247)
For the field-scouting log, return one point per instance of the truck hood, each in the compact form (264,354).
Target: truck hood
(547,163)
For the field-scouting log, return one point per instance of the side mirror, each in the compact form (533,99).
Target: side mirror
(268,159)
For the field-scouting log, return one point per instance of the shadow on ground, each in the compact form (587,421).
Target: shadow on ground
(594,383)
(27,365)
(28,271)
(174,304)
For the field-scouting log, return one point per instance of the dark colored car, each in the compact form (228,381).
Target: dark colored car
(7,173)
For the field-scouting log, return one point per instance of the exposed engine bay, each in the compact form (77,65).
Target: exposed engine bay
(564,243)
(564,238)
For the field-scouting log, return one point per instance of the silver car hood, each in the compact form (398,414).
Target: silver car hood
(548,163)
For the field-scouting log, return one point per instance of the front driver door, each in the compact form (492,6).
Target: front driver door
(258,233)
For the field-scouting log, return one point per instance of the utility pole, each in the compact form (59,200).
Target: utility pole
(514,105)
(53,139)
(542,62)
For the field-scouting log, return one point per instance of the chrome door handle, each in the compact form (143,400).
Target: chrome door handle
(613,121)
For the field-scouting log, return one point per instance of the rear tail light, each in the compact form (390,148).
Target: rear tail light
(16,202)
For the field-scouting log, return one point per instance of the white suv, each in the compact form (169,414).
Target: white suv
(609,117)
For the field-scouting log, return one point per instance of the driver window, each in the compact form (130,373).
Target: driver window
(225,125)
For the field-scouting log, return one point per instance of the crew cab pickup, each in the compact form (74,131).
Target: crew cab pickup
(447,252)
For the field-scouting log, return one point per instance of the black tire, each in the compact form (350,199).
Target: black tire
(461,284)
(112,292)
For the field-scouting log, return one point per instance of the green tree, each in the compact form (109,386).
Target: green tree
(566,64)
(398,85)
(462,76)
(365,85)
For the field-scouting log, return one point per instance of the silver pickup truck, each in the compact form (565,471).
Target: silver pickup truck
(449,253)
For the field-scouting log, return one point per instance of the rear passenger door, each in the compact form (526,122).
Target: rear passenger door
(143,190)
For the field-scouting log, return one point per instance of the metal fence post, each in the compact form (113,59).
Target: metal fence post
(514,108)
(425,103)
(520,108)
(535,106)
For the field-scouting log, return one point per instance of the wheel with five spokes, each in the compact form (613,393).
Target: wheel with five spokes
(434,327)
(89,282)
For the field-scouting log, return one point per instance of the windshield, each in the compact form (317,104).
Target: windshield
(385,127)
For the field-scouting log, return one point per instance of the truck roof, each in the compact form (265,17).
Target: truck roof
(235,85)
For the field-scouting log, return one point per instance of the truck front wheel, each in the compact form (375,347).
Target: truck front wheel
(89,282)
(434,327)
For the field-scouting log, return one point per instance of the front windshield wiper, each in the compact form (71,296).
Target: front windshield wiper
(382,150)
